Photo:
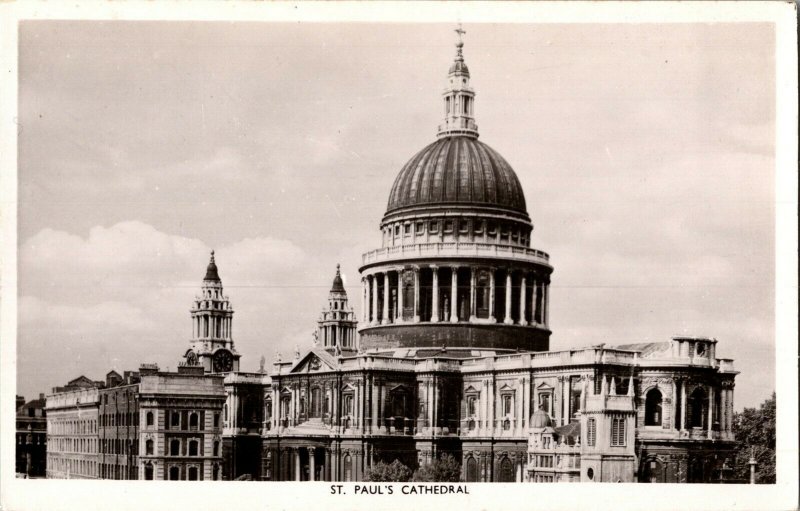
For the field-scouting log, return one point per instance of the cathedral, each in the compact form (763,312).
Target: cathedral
(450,353)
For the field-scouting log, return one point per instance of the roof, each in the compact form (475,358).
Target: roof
(645,348)
(570,431)
(211,271)
(457,170)
(338,285)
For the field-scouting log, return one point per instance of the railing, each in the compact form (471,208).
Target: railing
(445,249)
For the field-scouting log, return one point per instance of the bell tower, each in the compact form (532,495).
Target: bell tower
(212,327)
(337,324)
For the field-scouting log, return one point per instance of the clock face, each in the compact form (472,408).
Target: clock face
(223,361)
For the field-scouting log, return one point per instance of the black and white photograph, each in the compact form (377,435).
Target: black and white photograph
(397,257)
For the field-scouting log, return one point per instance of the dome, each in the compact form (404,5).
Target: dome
(540,419)
(338,285)
(211,272)
(457,170)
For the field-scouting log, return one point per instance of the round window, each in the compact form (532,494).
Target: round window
(590,473)
(701,348)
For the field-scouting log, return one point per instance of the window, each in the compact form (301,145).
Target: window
(407,229)
(216,420)
(148,447)
(617,432)
(448,226)
(697,408)
(193,448)
(174,473)
(508,404)
(471,400)
(193,420)
(591,432)
(544,402)
(176,419)
(420,227)
(175,448)
(216,448)
(433,227)
(149,418)
(652,408)
(148,472)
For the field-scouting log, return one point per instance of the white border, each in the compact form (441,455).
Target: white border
(19,494)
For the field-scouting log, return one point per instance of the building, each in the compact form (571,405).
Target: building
(148,424)
(72,431)
(453,354)
(31,437)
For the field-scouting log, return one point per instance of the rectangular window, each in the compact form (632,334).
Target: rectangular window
(591,432)
(407,229)
(618,432)
(433,227)
(420,227)
(448,226)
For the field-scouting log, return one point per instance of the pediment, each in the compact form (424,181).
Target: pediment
(544,386)
(312,363)
(471,390)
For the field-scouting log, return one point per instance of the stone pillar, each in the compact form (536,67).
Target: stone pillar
(492,402)
(526,396)
(386,319)
(416,294)
(508,320)
(311,467)
(374,293)
(364,310)
(296,463)
(435,295)
(674,407)
(400,295)
(545,305)
(710,410)
(472,294)
(429,402)
(683,405)
(374,394)
(522,320)
(491,295)
(454,295)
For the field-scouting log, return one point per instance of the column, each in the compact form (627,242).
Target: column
(386,319)
(519,405)
(710,410)
(416,294)
(364,311)
(683,405)
(374,299)
(381,400)
(534,296)
(526,396)
(296,463)
(429,402)
(374,395)
(400,295)
(454,295)
(311,468)
(545,306)
(435,295)
(522,320)
(674,409)
(491,295)
(492,404)
(472,294)
(508,320)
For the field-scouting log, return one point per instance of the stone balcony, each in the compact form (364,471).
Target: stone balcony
(457,250)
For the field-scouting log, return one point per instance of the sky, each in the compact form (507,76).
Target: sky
(646,153)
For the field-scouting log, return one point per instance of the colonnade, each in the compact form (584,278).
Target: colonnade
(206,325)
(386,292)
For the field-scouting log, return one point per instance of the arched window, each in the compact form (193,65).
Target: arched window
(472,470)
(506,474)
(174,474)
(150,418)
(215,475)
(175,448)
(148,472)
(193,473)
(176,419)
(193,420)
(193,448)
(348,468)
(652,408)
(148,449)
(698,407)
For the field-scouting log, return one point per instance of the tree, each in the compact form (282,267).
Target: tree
(445,469)
(394,472)
(755,435)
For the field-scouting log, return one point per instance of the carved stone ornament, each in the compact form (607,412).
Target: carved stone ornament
(314,364)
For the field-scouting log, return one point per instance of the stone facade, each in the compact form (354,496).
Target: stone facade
(31,448)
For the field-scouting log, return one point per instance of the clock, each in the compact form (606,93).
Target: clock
(223,361)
